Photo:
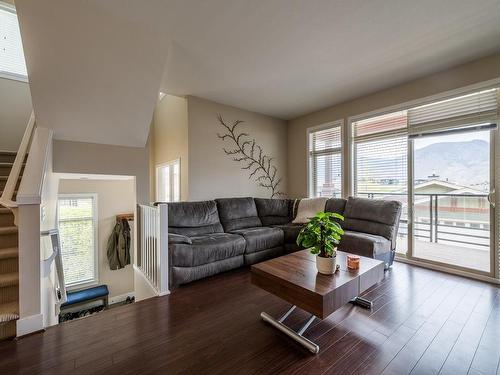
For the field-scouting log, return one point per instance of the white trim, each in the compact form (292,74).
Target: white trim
(14,77)
(120,298)
(452,271)
(313,129)
(30,324)
(94,196)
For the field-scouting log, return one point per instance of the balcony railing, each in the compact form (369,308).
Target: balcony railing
(455,219)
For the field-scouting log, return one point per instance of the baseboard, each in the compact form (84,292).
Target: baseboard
(121,297)
(30,324)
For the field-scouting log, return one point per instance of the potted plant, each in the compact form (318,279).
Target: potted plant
(320,236)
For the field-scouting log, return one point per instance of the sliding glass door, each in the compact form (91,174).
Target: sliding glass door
(452,180)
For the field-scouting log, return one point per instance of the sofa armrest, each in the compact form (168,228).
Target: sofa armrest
(179,238)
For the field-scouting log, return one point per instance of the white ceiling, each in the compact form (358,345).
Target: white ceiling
(96,66)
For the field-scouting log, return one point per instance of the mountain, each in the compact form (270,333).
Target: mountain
(463,163)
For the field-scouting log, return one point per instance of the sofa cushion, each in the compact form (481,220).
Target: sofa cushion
(260,238)
(336,205)
(206,249)
(179,238)
(290,232)
(368,245)
(238,213)
(193,218)
(379,217)
(274,211)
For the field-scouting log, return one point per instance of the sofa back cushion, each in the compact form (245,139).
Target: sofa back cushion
(238,213)
(336,205)
(373,216)
(193,218)
(274,211)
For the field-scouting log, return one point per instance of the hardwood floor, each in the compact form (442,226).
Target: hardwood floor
(423,322)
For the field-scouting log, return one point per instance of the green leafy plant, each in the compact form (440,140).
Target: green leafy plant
(322,234)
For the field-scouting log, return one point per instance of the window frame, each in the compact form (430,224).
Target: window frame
(94,196)
(340,150)
(10,75)
(170,163)
(494,275)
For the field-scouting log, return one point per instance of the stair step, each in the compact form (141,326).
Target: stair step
(8,230)
(6,217)
(9,253)
(7,156)
(9,311)
(9,279)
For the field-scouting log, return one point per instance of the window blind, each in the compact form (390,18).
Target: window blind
(11,48)
(463,110)
(381,167)
(76,223)
(325,160)
(390,122)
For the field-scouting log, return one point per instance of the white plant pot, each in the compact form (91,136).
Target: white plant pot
(326,266)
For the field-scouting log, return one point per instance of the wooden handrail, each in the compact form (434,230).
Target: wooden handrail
(8,192)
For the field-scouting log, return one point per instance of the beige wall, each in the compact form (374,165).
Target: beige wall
(92,158)
(214,174)
(169,139)
(15,110)
(467,74)
(113,197)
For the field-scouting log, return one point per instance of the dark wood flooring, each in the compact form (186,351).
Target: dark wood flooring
(423,322)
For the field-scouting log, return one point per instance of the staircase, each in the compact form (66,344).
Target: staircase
(9,264)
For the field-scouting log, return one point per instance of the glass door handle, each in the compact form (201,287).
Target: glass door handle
(491,198)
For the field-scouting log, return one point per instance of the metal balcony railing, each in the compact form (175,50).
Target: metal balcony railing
(460,219)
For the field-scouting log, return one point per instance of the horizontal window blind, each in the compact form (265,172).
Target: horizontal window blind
(381,167)
(380,124)
(76,222)
(325,160)
(11,48)
(462,110)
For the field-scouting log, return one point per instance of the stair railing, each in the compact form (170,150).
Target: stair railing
(8,193)
(152,254)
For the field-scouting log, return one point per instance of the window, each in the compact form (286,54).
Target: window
(12,64)
(380,153)
(168,182)
(77,223)
(325,161)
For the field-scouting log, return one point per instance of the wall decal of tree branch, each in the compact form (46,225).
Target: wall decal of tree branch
(259,165)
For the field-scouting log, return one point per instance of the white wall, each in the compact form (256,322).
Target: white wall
(15,110)
(92,158)
(113,197)
(214,174)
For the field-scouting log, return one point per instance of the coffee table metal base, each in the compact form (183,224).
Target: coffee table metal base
(299,335)
(295,335)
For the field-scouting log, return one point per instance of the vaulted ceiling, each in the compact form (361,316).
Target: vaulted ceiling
(96,67)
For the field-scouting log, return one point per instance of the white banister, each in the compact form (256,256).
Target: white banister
(8,193)
(152,255)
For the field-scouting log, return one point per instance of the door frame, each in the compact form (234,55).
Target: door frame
(493,228)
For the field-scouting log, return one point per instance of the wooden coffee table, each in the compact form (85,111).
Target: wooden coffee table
(294,278)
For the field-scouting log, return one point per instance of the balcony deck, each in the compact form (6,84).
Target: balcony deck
(476,259)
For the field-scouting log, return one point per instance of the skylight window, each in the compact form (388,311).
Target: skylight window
(12,63)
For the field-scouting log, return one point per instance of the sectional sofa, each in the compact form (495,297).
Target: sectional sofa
(209,237)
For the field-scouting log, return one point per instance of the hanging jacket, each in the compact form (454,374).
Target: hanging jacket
(118,249)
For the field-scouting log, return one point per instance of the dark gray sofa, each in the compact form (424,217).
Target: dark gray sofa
(209,237)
